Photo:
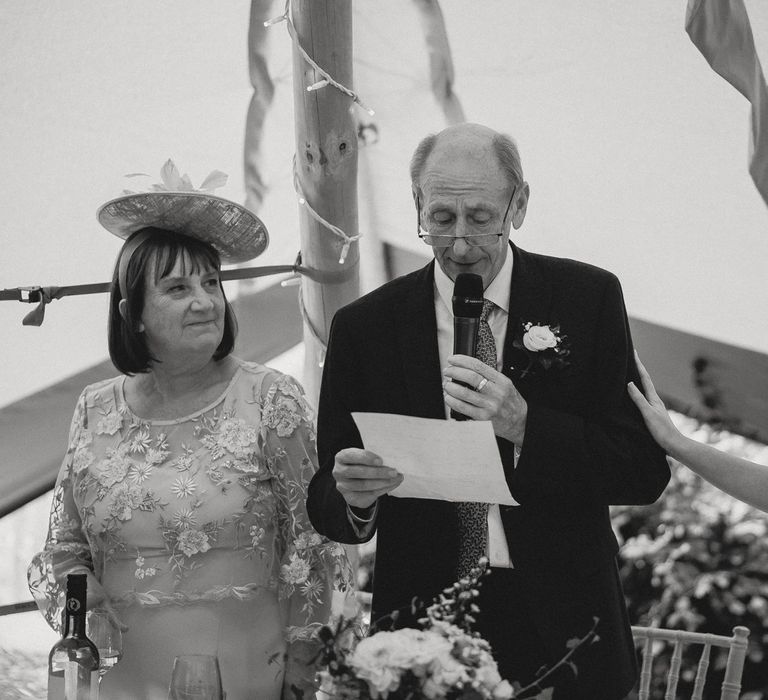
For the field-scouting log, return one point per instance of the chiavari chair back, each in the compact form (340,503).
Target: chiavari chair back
(646,637)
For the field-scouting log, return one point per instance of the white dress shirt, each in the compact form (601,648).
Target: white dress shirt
(498,292)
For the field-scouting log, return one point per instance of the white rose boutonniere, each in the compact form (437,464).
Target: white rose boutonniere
(538,338)
(540,345)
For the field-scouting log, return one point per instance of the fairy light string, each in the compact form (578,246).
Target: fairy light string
(348,240)
(325,80)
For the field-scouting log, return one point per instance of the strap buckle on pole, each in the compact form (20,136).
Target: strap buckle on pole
(30,295)
(39,295)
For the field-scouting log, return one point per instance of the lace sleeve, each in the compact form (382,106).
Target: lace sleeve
(313,570)
(66,548)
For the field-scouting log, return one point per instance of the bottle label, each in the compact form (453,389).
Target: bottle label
(77,684)
(55,687)
(71,680)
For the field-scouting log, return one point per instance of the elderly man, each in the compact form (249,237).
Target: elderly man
(554,389)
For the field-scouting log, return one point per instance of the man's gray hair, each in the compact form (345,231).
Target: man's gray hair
(504,147)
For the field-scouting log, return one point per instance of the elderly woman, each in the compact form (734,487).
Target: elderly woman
(182,490)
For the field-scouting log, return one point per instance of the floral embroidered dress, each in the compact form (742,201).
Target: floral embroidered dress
(198,532)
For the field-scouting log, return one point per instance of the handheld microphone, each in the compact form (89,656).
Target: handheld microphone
(467,307)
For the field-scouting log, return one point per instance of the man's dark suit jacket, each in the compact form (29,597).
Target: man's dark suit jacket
(585,447)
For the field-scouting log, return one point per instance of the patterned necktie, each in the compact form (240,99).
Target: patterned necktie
(473,517)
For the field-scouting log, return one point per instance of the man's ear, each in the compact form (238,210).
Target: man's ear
(521,206)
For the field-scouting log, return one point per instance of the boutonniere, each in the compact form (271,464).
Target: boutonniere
(543,345)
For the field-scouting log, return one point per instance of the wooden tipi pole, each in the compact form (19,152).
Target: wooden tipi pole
(325,170)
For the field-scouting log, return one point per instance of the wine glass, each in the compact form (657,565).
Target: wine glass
(195,677)
(107,637)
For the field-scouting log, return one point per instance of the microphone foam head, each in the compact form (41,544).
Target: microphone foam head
(468,295)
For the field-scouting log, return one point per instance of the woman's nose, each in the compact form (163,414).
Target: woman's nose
(202,299)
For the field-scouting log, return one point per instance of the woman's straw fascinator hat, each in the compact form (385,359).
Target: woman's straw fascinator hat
(175,205)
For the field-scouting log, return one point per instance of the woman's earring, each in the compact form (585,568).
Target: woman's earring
(122,307)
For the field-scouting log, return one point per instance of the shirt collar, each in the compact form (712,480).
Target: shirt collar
(498,290)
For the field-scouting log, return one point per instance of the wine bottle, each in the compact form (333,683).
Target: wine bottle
(73,664)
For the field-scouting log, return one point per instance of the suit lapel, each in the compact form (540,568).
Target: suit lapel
(417,340)
(530,300)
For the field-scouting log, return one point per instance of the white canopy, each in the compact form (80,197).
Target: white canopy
(636,152)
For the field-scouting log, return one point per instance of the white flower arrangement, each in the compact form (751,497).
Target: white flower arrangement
(442,660)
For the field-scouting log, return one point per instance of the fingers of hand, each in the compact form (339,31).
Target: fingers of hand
(463,361)
(363,492)
(461,374)
(645,378)
(469,407)
(649,390)
(487,390)
(98,600)
(648,410)
(368,485)
(96,597)
(468,393)
(116,621)
(356,455)
(362,479)
(473,365)
(637,396)
(363,472)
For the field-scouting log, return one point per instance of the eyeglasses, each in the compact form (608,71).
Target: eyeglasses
(476,240)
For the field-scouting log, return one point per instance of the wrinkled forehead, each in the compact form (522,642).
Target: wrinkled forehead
(463,170)
(472,187)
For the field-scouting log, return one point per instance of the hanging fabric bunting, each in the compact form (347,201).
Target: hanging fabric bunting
(720,29)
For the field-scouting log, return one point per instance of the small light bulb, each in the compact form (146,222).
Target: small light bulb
(275,20)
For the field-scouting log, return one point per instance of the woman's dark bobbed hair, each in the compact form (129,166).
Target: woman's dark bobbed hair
(156,256)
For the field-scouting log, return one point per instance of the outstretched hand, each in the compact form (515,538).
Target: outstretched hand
(652,409)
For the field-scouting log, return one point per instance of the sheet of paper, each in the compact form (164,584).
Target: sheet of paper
(442,459)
